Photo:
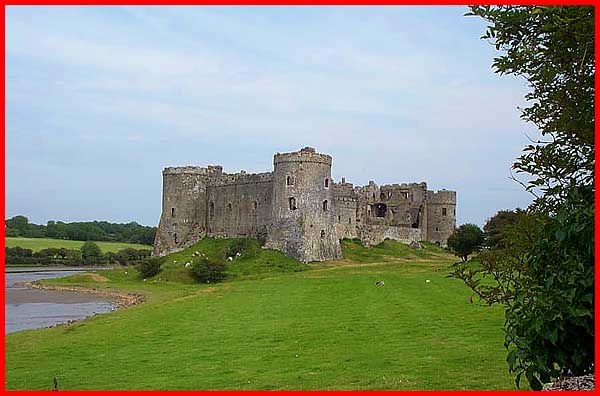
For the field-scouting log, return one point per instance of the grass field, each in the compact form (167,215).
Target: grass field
(37,244)
(325,327)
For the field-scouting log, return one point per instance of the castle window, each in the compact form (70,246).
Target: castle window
(229,206)
(389,194)
(175,238)
(289,181)
(292,202)
(443,211)
(172,212)
(325,206)
(349,220)
(405,194)
(211,210)
(382,195)
(326,182)
(373,195)
(254,205)
(454,211)
(380,210)
(339,218)
(322,234)
(437,228)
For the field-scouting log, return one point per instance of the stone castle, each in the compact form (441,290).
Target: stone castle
(297,208)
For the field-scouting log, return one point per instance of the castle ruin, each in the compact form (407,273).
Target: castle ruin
(297,209)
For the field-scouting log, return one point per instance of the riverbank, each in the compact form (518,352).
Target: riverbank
(121,298)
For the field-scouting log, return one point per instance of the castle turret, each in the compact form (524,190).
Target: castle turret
(441,215)
(183,218)
(302,221)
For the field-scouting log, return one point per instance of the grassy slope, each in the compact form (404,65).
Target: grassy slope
(328,327)
(37,244)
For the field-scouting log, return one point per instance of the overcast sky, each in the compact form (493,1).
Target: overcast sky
(100,99)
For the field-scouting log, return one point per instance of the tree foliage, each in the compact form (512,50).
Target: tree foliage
(465,240)
(91,253)
(495,228)
(19,226)
(544,271)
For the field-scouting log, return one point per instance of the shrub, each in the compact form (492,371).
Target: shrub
(206,270)
(149,266)
(241,246)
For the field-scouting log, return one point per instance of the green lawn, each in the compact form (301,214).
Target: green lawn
(37,244)
(326,327)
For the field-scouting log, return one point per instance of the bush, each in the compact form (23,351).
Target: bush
(207,270)
(241,246)
(149,266)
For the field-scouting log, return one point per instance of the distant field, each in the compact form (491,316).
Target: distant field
(37,244)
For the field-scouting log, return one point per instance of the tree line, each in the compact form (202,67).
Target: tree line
(19,226)
(88,254)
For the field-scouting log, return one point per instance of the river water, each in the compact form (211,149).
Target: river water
(28,308)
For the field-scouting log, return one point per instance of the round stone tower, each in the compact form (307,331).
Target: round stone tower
(441,215)
(183,217)
(302,222)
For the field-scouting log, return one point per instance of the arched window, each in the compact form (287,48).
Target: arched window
(211,210)
(255,205)
(172,212)
(289,181)
(326,182)
(325,206)
(292,202)
(322,233)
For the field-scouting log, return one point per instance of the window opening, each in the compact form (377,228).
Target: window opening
(292,202)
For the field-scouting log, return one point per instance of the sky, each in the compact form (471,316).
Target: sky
(100,99)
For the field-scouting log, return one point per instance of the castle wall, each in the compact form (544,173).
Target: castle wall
(239,205)
(375,234)
(345,210)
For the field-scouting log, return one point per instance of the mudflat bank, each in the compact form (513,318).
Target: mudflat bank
(121,298)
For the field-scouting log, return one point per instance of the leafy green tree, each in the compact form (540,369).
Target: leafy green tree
(495,227)
(545,274)
(17,225)
(91,253)
(465,240)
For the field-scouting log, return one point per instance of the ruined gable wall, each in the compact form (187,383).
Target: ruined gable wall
(239,205)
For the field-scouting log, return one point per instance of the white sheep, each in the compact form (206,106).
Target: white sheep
(229,258)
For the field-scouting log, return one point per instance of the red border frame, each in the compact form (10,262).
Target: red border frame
(262,3)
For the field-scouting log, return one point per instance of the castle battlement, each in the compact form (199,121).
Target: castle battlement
(297,208)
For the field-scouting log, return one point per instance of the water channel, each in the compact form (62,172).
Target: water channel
(27,308)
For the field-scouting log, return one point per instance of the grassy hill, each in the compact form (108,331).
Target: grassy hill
(282,326)
(37,244)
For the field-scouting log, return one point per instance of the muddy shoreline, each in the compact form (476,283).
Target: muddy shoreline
(122,299)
